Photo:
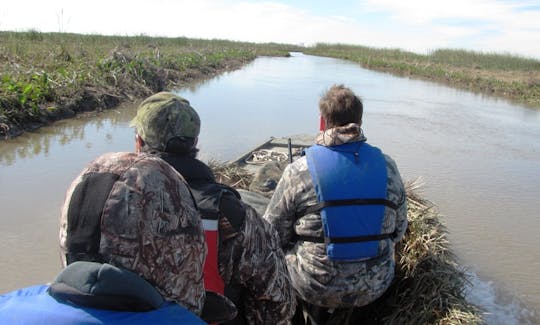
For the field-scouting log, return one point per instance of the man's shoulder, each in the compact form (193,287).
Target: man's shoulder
(298,166)
(296,174)
(391,166)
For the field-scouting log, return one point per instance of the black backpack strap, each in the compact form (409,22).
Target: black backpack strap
(84,216)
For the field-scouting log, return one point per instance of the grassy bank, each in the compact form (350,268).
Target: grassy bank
(511,77)
(430,286)
(48,76)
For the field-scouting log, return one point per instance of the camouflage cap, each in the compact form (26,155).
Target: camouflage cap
(164,116)
(136,212)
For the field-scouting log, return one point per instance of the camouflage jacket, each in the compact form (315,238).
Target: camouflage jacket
(251,261)
(316,278)
(145,221)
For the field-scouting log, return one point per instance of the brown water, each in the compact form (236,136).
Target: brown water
(479,158)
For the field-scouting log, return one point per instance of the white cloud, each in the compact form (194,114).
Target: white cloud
(422,12)
(483,25)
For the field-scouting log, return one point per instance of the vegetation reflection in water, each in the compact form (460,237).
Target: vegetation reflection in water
(62,133)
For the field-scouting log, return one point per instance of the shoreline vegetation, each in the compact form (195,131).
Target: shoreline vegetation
(430,287)
(511,77)
(50,76)
(45,77)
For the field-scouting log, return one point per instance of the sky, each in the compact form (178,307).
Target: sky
(422,26)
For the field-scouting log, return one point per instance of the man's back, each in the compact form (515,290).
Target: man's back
(316,278)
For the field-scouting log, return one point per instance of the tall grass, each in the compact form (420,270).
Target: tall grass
(451,57)
(513,77)
(477,60)
(44,73)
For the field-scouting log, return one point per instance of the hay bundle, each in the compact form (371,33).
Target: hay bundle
(429,285)
(232,175)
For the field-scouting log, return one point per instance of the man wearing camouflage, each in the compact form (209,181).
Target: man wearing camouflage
(132,244)
(130,234)
(330,285)
(245,261)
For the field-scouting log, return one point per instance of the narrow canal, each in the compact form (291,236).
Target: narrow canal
(478,156)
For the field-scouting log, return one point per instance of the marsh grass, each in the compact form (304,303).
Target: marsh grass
(45,76)
(429,284)
(48,76)
(513,77)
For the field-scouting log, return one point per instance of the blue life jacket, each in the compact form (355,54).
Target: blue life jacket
(33,305)
(350,181)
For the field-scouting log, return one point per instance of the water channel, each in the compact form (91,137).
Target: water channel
(479,158)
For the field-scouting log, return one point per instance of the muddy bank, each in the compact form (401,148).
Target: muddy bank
(125,87)
(49,76)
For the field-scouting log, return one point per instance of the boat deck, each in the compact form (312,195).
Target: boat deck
(275,149)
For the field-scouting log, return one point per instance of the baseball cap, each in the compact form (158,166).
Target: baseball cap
(134,211)
(164,116)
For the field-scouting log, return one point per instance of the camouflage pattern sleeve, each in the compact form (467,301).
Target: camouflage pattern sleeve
(257,263)
(280,212)
(397,194)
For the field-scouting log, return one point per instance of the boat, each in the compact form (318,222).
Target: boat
(277,149)
(430,285)
(265,163)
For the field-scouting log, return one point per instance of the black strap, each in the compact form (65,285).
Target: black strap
(343,240)
(84,216)
(324,204)
(321,205)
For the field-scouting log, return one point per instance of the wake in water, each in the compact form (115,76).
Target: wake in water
(499,308)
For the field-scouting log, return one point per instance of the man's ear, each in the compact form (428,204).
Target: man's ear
(195,141)
(139,143)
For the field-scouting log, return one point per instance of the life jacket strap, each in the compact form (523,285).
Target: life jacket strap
(330,203)
(343,240)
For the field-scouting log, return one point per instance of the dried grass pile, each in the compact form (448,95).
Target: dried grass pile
(232,175)
(429,285)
